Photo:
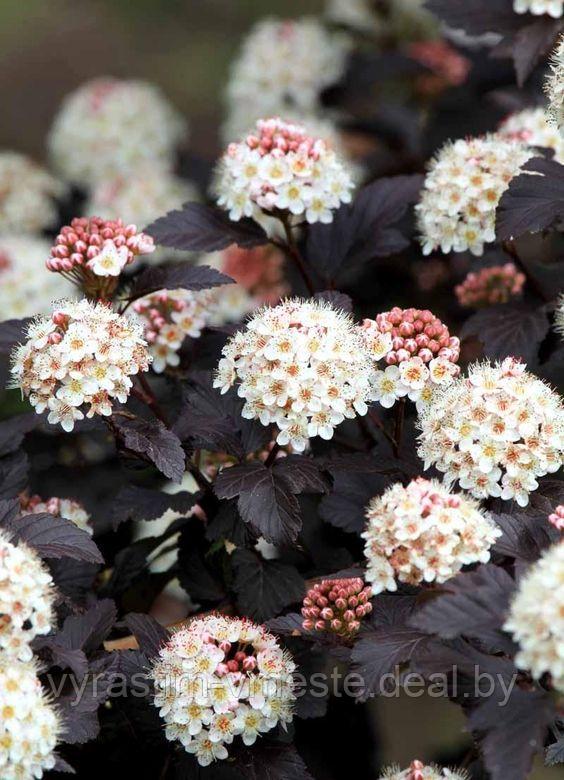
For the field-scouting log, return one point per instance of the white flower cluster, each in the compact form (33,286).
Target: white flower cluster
(29,727)
(280,167)
(301,365)
(532,126)
(27,195)
(417,770)
(26,287)
(554,87)
(462,190)
(495,431)
(83,355)
(26,600)
(109,127)
(423,533)
(140,197)
(221,678)
(536,617)
(554,8)
(168,317)
(67,508)
(284,65)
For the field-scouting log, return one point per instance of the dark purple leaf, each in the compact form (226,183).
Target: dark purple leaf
(150,635)
(345,506)
(381,652)
(274,762)
(14,470)
(53,537)
(62,766)
(139,503)
(72,578)
(475,604)
(512,734)
(302,473)
(266,500)
(13,431)
(174,277)
(525,536)
(509,329)
(202,228)
(87,631)
(533,42)
(365,229)
(12,332)
(155,443)
(532,202)
(264,588)
(287,625)
(79,711)
(338,300)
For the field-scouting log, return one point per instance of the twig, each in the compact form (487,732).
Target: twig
(272,455)
(380,425)
(398,430)
(294,253)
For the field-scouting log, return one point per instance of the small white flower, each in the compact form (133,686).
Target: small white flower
(110,261)
(387,387)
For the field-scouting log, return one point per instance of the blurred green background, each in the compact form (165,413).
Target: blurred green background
(49,47)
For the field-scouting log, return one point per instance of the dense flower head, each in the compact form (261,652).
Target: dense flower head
(556,518)
(279,167)
(554,8)
(495,431)
(110,127)
(259,277)
(536,617)
(423,533)
(417,770)
(29,726)
(222,678)
(302,365)
(532,126)
(337,606)
(286,64)
(67,508)
(419,350)
(92,246)
(26,600)
(554,87)
(168,317)
(79,361)
(462,189)
(27,195)
(141,196)
(26,287)
(488,286)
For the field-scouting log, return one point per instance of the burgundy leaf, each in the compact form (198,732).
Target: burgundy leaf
(202,228)
(532,202)
(264,588)
(13,431)
(12,332)
(475,604)
(509,329)
(479,16)
(53,537)
(139,503)
(174,277)
(149,634)
(533,42)
(155,442)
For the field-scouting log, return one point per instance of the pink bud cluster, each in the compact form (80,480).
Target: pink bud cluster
(79,244)
(416,333)
(168,317)
(337,606)
(557,518)
(446,64)
(489,286)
